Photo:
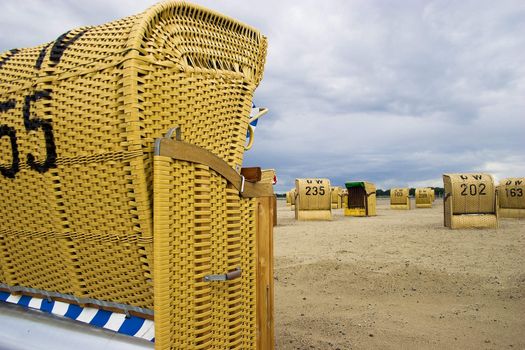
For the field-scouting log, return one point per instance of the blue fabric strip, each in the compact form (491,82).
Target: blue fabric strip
(24,300)
(47,306)
(131,325)
(73,311)
(4,296)
(101,318)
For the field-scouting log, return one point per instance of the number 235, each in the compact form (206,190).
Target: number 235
(314,190)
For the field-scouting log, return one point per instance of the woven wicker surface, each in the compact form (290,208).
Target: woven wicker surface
(268,176)
(289,198)
(77,196)
(405,206)
(313,215)
(399,198)
(336,197)
(197,236)
(371,198)
(471,193)
(313,194)
(424,197)
(470,201)
(511,197)
(511,213)
(344,197)
(360,199)
(474,221)
(355,212)
(423,205)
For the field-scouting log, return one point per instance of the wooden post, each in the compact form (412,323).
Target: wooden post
(265,323)
(274,207)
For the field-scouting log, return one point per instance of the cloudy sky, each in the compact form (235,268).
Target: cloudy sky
(393,92)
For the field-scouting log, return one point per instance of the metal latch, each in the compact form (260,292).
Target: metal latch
(224,277)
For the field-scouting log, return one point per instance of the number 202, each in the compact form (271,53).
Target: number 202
(473,190)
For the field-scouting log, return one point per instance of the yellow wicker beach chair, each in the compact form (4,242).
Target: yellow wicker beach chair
(424,197)
(102,204)
(470,201)
(399,198)
(511,198)
(360,199)
(313,199)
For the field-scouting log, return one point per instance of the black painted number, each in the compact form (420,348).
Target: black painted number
(314,190)
(46,126)
(11,133)
(514,192)
(473,189)
(30,124)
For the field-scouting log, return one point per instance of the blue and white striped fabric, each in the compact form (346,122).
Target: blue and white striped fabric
(253,113)
(118,322)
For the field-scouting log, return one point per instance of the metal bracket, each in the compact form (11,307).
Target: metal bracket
(177,131)
(224,277)
(169,135)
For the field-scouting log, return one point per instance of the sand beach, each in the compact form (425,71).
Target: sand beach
(400,280)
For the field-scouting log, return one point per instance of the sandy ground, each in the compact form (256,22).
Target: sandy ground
(398,281)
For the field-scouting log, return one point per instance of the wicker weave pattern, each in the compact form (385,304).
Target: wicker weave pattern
(313,194)
(424,197)
(511,197)
(313,199)
(371,198)
(470,201)
(399,198)
(360,201)
(206,237)
(511,213)
(474,221)
(268,176)
(471,195)
(84,226)
(336,197)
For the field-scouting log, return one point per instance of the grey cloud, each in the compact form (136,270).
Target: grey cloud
(392,92)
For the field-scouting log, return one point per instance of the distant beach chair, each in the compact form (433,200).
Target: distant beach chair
(511,198)
(399,198)
(470,201)
(288,198)
(360,199)
(424,197)
(313,199)
(292,199)
(336,197)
